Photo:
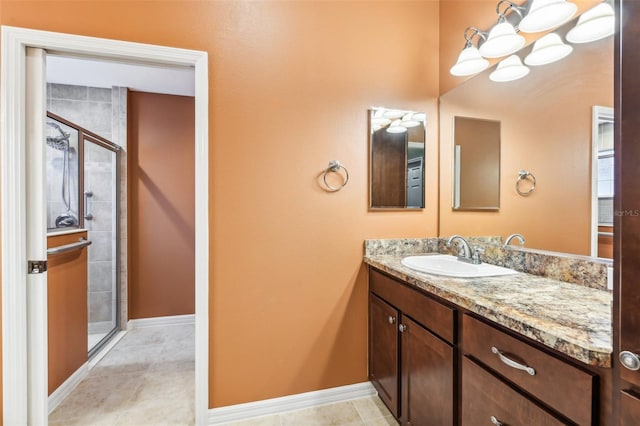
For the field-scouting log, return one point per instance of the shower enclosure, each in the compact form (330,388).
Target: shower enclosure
(82,193)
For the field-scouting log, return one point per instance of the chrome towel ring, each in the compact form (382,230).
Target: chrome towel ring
(524,175)
(334,167)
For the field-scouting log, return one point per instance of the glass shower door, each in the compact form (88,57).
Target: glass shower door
(100,213)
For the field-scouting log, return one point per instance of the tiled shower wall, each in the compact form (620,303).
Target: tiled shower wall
(101,111)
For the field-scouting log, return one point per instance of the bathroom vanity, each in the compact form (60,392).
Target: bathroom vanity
(518,349)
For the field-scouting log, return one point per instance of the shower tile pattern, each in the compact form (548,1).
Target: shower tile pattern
(102,111)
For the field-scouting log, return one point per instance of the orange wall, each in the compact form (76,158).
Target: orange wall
(161,205)
(289,85)
(66,309)
(546,124)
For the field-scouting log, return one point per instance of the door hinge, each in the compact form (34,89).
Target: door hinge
(36,266)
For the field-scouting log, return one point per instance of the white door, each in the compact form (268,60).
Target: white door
(36,233)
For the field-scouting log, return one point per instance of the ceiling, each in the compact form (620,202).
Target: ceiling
(100,73)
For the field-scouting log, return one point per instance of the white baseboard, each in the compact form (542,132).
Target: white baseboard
(67,387)
(234,413)
(161,321)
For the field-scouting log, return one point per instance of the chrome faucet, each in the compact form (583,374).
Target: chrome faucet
(512,236)
(468,254)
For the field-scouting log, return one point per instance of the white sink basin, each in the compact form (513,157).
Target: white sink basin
(450,266)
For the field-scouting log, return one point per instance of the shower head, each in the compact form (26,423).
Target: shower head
(60,141)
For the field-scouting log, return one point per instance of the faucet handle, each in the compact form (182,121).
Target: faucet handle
(475,257)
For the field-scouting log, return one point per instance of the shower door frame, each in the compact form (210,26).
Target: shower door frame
(83,136)
(21,377)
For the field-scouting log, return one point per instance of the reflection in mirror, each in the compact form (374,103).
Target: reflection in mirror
(546,128)
(476,164)
(602,186)
(397,158)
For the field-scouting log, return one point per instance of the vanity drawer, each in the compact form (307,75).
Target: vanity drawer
(431,314)
(486,400)
(566,388)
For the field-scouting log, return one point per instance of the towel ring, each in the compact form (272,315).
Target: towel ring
(524,175)
(334,167)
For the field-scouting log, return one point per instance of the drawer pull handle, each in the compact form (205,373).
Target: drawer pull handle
(402,328)
(495,421)
(511,363)
(392,319)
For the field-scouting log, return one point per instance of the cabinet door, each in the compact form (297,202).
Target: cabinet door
(427,377)
(486,400)
(383,351)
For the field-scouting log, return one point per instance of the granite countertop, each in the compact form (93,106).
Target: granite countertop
(570,318)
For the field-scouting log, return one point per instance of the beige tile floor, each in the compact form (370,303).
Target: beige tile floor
(357,412)
(148,379)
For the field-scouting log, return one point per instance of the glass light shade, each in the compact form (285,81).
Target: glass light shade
(420,116)
(548,49)
(502,41)
(509,69)
(393,114)
(594,24)
(380,121)
(396,127)
(409,123)
(469,62)
(547,14)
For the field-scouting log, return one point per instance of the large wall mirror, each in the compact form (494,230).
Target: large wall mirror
(476,164)
(397,159)
(546,121)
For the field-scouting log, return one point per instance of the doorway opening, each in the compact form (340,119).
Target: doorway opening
(23,237)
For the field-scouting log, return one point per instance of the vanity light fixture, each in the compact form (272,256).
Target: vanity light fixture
(396,127)
(469,61)
(503,39)
(544,15)
(509,69)
(594,24)
(548,49)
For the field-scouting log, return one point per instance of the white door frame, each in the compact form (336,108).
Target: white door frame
(17,379)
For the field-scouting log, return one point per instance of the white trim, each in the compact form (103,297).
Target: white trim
(161,321)
(13,188)
(65,389)
(240,412)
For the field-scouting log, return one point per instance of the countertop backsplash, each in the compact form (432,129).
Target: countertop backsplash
(575,269)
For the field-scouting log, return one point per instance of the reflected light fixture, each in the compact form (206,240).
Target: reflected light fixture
(509,69)
(396,127)
(594,24)
(544,15)
(503,39)
(548,49)
(469,61)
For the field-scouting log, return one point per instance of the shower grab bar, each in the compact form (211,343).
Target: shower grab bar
(68,247)
(87,215)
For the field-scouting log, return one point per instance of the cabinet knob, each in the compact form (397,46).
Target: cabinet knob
(629,360)
(392,319)
(402,328)
(495,421)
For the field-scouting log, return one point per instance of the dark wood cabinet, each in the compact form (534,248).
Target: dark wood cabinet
(427,377)
(564,387)
(487,400)
(383,350)
(410,364)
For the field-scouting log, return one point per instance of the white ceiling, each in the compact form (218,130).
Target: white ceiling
(100,73)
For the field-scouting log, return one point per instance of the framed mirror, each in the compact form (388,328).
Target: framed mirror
(476,164)
(397,159)
(546,121)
